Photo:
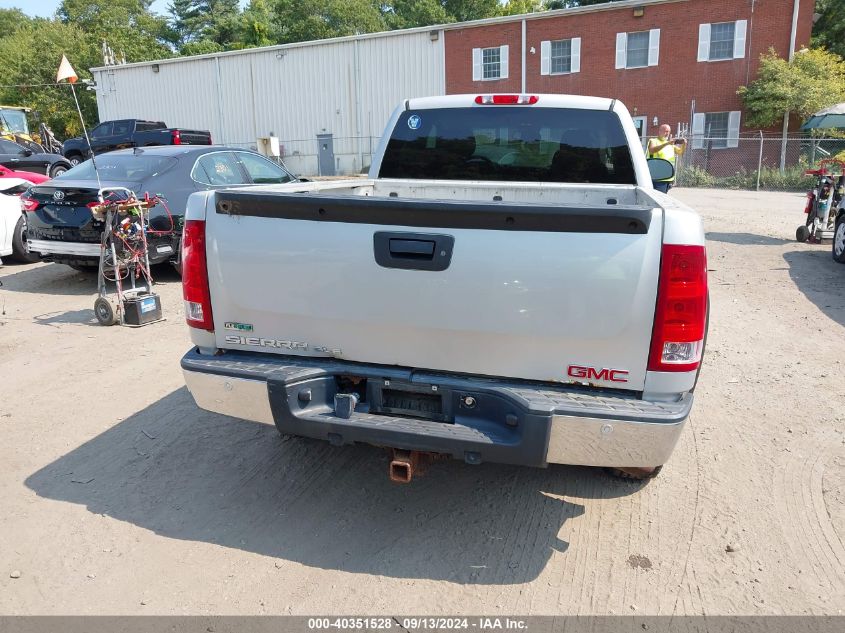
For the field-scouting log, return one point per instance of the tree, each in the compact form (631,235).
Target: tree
(302,20)
(11,20)
(184,17)
(214,20)
(406,14)
(813,80)
(31,54)
(256,25)
(201,47)
(517,7)
(127,25)
(829,29)
(465,10)
(569,4)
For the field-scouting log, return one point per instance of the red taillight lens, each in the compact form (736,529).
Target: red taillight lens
(506,99)
(195,277)
(29,205)
(680,318)
(176,137)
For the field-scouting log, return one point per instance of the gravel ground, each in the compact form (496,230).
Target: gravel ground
(117,495)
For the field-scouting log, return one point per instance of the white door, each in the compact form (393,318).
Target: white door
(10,211)
(641,123)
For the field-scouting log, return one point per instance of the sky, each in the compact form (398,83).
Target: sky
(46,8)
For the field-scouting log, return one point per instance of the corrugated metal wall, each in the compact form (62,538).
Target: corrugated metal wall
(346,87)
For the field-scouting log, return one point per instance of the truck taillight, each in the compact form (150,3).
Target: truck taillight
(680,318)
(176,137)
(195,277)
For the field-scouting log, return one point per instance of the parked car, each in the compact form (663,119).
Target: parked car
(10,216)
(507,286)
(126,133)
(16,157)
(61,228)
(839,237)
(15,183)
(29,176)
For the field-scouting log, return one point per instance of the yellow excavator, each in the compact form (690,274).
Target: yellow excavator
(14,126)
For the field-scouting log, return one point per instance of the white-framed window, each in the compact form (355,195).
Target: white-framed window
(560,57)
(637,50)
(490,63)
(721,40)
(717,129)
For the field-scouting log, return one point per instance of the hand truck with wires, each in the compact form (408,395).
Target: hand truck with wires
(124,256)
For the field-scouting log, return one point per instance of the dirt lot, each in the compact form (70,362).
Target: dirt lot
(117,495)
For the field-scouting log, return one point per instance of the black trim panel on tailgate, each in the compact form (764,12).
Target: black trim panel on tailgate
(449,214)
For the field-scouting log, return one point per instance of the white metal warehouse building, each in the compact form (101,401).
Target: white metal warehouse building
(343,87)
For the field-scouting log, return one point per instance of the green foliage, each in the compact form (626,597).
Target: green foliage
(792,179)
(201,47)
(568,4)
(301,20)
(213,20)
(127,25)
(695,176)
(829,29)
(256,25)
(813,80)
(12,19)
(406,14)
(30,54)
(464,10)
(517,7)
(771,179)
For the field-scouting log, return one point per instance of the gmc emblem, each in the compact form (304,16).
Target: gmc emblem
(591,373)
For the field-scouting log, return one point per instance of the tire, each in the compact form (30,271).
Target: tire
(20,248)
(839,240)
(635,474)
(802,233)
(57,170)
(74,159)
(104,311)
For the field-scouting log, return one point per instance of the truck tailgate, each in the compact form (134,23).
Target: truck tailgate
(553,293)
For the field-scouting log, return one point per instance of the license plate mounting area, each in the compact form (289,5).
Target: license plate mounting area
(401,398)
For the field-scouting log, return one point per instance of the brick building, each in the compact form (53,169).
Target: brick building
(670,61)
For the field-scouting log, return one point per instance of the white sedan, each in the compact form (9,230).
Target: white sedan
(10,218)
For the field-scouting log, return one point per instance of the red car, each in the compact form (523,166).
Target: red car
(31,176)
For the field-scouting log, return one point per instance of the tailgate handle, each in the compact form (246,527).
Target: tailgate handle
(413,251)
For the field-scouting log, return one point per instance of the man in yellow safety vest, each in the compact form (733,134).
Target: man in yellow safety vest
(667,148)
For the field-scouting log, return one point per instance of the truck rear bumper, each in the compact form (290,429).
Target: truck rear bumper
(511,422)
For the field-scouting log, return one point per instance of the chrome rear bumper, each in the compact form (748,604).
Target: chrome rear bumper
(553,425)
(53,247)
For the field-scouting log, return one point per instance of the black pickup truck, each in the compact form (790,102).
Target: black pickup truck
(126,133)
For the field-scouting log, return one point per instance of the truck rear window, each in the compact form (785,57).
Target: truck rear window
(515,143)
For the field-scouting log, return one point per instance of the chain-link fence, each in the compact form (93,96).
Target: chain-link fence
(341,156)
(748,162)
(754,162)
